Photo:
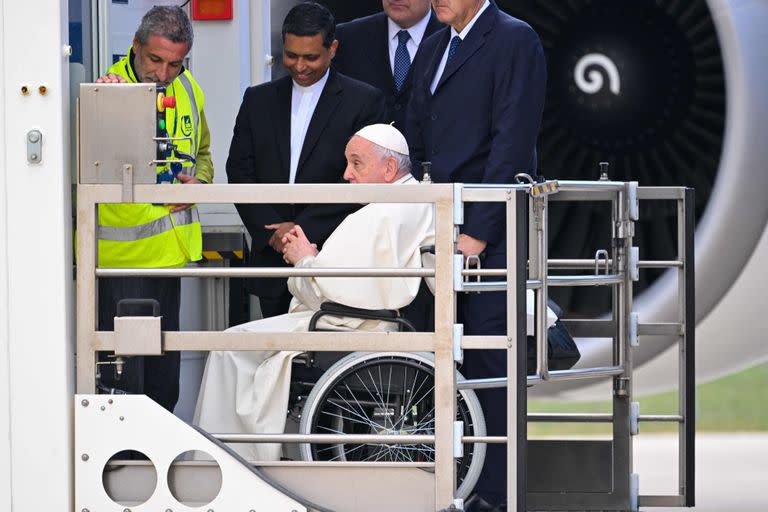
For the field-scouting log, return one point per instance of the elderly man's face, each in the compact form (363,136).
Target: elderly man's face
(306,59)
(406,13)
(365,164)
(456,13)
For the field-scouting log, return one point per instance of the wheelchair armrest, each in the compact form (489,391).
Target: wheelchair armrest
(336,309)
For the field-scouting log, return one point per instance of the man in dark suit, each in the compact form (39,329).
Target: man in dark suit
(294,130)
(379,49)
(475,112)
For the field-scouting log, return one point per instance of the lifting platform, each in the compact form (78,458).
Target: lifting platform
(556,475)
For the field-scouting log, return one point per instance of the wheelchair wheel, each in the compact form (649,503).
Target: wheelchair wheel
(380,393)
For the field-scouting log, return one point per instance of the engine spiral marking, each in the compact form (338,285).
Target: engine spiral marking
(593,82)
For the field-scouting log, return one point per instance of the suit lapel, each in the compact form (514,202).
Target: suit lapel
(329,100)
(283,124)
(473,42)
(433,26)
(436,58)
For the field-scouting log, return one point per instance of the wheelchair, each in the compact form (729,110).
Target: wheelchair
(378,393)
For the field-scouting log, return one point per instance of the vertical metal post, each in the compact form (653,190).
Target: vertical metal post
(86,292)
(445,374)
(687,371)
(622,395)
(542,234)
(517,408)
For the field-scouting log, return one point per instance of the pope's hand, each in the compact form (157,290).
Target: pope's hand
(296,246)
(280,229)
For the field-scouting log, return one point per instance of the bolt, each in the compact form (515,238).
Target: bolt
(96,164)
(84,457)
(85,510)
(42,90)
(95,89)
(84,403)
(122,418)
(126,510)
(110,401)
(168,510)
(103,408)
(24,90)
(33,156)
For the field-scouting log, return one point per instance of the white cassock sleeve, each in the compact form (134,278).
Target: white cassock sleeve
(378,235)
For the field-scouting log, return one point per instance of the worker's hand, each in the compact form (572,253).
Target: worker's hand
(469,246)
(185,180)
(111,78)
(296,246)
(280,230)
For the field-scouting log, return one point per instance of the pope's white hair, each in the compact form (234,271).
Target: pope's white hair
(403,161)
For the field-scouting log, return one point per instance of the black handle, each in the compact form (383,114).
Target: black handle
(124,303)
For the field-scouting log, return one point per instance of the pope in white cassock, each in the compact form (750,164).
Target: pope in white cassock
(247,392)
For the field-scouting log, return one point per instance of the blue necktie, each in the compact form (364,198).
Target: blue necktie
(455,42)
(402,59)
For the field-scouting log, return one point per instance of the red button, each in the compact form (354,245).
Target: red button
(169,102)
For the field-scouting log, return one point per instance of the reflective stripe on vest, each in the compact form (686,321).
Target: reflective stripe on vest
(195,114)
(161,225)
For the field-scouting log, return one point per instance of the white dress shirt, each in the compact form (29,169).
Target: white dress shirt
(303,103)
(462,35)
(416,32)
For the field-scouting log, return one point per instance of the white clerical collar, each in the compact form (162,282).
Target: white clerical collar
(405,179)
(416,32)
(315,87)
(463,34)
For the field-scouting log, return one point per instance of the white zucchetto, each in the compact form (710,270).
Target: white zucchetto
(386,136)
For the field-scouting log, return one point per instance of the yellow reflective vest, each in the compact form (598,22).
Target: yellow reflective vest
(147,235)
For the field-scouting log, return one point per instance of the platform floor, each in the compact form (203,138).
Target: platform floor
(731,470)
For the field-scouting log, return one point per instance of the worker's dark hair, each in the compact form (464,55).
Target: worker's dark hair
(169,22)
(309,19)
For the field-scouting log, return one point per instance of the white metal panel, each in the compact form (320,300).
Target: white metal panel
(5,379)
(35,290)
(109,424)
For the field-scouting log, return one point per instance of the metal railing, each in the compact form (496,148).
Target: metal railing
(525,269)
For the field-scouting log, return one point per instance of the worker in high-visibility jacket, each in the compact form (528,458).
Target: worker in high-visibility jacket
(155,236)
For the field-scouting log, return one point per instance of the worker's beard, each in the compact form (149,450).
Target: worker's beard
(150,79)
(147,79)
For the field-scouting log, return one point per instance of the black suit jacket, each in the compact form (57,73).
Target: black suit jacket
(363,54)
(260,152)
(481,123)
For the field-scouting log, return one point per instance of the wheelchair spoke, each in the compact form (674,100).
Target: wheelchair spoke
(359,405)
(368,424)
(410,405)
(343,453)
(363,420)
(379,402)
